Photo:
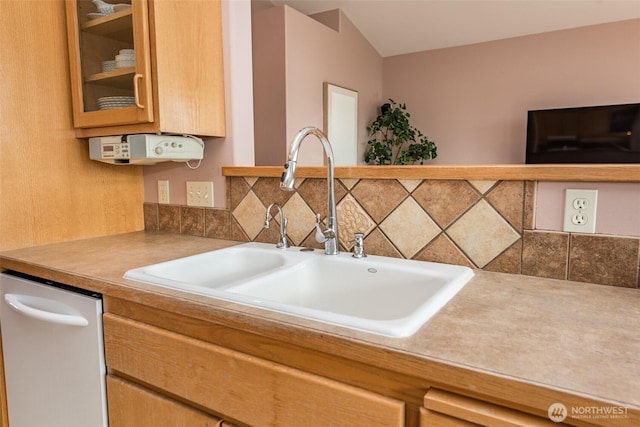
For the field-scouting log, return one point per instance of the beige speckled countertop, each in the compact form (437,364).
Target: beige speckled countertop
(572,338)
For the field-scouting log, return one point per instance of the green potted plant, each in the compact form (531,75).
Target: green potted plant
(393,141)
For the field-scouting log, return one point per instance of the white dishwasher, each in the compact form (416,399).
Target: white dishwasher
(53,353)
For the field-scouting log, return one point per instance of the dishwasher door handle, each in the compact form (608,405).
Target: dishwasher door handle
(14,302)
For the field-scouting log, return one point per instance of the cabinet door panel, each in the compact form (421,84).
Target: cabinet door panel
(245,388)
(188,66)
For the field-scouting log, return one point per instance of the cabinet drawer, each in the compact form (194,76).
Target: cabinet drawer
(130,405)
(429,418)
(242,387)
(457,410)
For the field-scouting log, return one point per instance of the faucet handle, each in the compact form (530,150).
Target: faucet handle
(283,242)
(358,245)
(320,237)
(267,218)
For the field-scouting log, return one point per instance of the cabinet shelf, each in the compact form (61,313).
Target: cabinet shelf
(120,78)
(116,26)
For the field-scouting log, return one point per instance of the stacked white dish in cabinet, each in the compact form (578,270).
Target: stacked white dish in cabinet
(105,8)
(109,65)
(111,102)
(126,58)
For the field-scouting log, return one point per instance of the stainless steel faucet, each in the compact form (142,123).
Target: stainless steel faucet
(282,241)
(329,236)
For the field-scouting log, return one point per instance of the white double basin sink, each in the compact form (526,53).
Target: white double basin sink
(386,296)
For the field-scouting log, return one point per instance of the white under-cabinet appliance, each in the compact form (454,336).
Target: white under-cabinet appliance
(145,149)
(53,353)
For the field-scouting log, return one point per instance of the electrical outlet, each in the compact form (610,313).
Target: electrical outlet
(163,191)
(200,193)
(580,210)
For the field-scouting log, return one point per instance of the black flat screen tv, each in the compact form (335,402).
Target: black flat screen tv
(603,134)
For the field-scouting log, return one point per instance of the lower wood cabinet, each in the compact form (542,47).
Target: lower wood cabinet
(445,409)
(234,386)
(168,369)
(131,405)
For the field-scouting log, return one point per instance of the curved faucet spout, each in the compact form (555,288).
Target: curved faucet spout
(282,242)
(288,178)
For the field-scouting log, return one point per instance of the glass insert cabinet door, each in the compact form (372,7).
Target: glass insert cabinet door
(109,56)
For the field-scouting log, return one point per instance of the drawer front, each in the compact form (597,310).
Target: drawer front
(471,411)
(430,419)
(245,388)
(130,405)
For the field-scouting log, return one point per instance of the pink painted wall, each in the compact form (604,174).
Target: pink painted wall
(618,210)
(473,100)
(269,85)
(313,53)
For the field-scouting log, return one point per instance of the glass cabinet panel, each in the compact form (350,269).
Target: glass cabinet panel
(112,65)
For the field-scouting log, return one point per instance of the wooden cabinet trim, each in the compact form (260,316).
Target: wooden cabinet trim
(590,173)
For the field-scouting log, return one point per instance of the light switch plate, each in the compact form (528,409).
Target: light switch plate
(200,193)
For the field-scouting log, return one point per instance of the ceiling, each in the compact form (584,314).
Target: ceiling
(396,27)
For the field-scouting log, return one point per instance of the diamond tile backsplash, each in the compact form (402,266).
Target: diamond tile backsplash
(480,224)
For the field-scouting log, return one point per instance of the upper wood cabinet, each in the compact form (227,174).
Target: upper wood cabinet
(175,83)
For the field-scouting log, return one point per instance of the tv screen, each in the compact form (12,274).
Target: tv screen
(604,134)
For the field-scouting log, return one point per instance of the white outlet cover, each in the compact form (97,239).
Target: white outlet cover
(163,191)
(587,215)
